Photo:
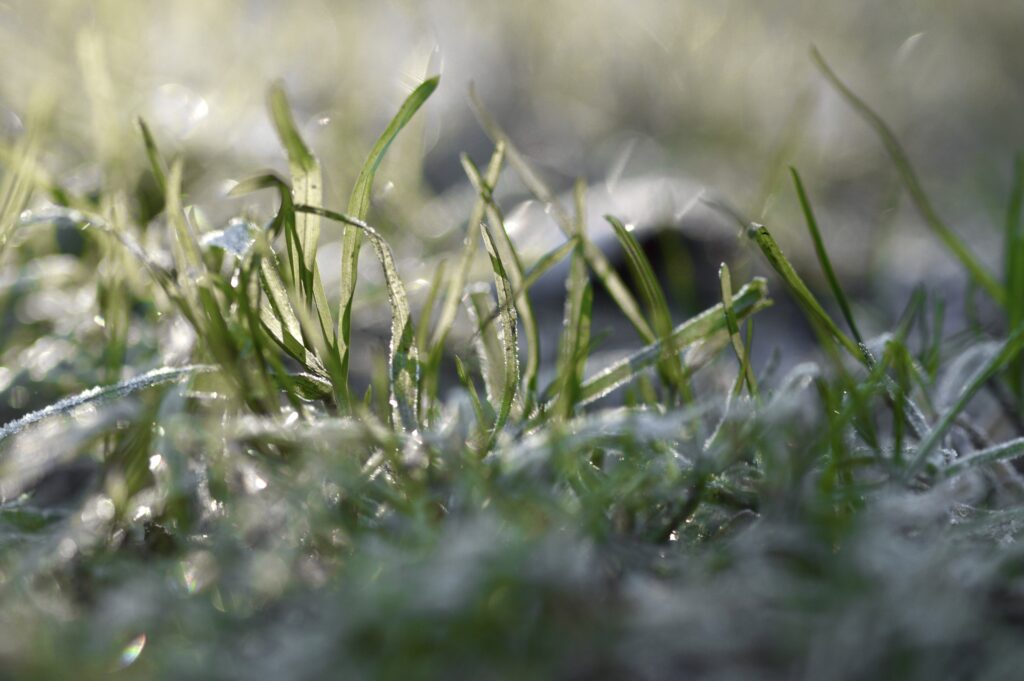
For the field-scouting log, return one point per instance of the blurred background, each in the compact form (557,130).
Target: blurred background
(719,96)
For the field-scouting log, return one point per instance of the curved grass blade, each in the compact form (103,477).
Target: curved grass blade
(1007,353)
(956,246)
(68,404)
(359,208)
(595,257)
(823,259)
(709,326)
(403,358)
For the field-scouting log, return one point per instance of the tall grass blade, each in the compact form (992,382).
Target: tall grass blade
(978,273)
(359,208)
(486,343)
(823,259)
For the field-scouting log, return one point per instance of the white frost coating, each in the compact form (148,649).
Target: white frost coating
(99,393)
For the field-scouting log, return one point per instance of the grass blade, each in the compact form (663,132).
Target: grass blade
(956,246)
(359,208)
(823,259)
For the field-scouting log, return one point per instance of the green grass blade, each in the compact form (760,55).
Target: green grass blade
(823,259)
(596,259)
(709,326)
(359,208)
(484,415)
(956,246)
(403,358)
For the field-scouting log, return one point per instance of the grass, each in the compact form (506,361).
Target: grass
(193,486)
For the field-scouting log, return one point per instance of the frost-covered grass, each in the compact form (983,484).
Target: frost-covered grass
(240,493)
